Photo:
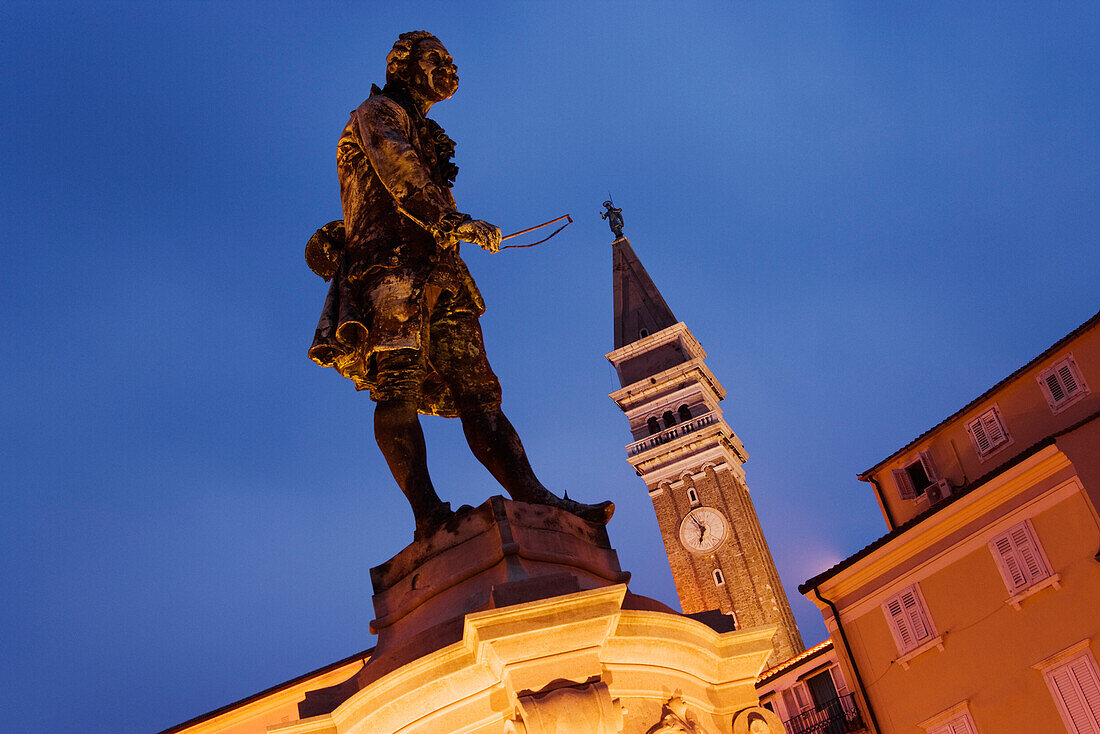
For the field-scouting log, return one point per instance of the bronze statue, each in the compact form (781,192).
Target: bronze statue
(614,218)
(401,318)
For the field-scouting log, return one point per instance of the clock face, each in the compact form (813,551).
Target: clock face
(703,530)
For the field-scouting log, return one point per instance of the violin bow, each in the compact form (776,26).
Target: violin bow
(569,220)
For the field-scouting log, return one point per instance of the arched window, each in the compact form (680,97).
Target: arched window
(693,497)
(719,579)
(669,419)
(685,413)
(643,333)
(654,426)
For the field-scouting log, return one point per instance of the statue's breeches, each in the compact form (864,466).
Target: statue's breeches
(429,348)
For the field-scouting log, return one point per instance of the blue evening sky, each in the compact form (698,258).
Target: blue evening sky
(867,213)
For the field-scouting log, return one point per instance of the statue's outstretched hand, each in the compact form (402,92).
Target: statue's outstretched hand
(481,233)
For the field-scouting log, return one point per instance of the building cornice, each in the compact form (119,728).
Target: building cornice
(678,331)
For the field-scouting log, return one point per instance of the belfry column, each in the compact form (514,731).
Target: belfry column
(691,461)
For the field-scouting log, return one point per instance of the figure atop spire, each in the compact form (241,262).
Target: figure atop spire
(614,218)
(639,308)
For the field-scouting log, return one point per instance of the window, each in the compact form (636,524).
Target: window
(988,433)
(1075,686)
(796,700)
(719,579)
(685,413)
(643,333)
(1062,383)
(693,497)
(958,724)
(1019,557)
(909,619)
(917,476)
(822,688)
(654,426)
(669,419)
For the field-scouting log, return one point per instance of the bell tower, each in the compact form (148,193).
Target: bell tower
(691,461)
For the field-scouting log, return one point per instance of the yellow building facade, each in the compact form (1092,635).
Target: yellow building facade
(979,611)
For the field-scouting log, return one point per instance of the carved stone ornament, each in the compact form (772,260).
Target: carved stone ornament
(571,709)
(675,719)
(757,720)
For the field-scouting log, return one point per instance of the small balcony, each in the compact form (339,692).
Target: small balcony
(838,716)
(674,432)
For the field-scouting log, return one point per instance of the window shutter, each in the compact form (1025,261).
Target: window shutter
(1014,575)
(915,613)
(908,618)
(899,622)
(929,466)
(1065,372)
(981,440)
(804,700)
(1054,385)
(789,704)
(991,422)
(988,431)
(1077,689)
(905,484)
(1020,557)
(961,724)
(1026,546)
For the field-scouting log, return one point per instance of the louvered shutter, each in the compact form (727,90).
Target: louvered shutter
(1054,385)
(914,611)
(1077,688)
(981,440)
(1025,545)
(991,422)
(1069,381)
(905,484)
(1015,578)
(929,466)
(1020,557)
(896,612)
(988,431)
(957,725)
(908,618)
(789,704)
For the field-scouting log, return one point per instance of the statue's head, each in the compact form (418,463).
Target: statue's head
(420,62)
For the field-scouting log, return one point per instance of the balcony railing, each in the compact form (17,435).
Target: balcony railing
(838,716)
(670,433)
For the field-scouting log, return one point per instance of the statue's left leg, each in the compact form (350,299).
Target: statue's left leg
(457,351)
(495,443)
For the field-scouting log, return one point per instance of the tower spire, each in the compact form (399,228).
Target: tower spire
(640,309)
(691,461)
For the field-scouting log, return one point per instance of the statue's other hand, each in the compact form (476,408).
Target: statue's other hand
(481,233)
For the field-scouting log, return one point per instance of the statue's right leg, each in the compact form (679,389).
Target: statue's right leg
(401,439)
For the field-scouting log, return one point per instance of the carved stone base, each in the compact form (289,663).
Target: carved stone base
(495,555)
(516,619)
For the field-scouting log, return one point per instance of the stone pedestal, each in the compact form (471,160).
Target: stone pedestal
(516,619)
(498,554)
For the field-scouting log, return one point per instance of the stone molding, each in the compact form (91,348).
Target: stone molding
(505,670)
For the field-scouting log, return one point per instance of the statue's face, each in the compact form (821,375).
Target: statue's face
(433,74)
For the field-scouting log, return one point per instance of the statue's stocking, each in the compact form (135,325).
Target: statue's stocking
(401,440)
